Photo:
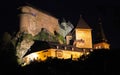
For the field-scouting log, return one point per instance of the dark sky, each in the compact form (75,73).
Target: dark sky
(108,10)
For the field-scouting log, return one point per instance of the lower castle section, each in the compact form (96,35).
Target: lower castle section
(53,53)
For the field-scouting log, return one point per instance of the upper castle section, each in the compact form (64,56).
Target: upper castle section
(33,20)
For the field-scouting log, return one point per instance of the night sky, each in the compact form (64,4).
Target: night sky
(109,11)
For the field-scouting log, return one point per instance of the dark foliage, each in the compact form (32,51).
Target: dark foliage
(99,62)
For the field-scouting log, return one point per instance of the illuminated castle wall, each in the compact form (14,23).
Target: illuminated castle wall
(53,53)
(33,20)
(83,38)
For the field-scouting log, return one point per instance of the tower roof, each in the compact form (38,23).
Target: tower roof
(100,33)
(82,24)
(63,20)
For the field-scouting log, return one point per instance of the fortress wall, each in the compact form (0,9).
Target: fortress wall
(32,20)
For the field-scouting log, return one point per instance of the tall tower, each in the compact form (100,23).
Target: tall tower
(83,36)
(65,27)
(101,41)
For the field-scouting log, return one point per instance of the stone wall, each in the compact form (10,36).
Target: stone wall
(53,53)
(83,38)
(32,20)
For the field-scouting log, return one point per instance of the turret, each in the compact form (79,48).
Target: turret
(101,41)
(83,36)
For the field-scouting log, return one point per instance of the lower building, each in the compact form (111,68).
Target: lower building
(43,55)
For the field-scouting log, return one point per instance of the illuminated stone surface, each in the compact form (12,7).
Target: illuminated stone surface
(44,54)
(83,38)
(33,20)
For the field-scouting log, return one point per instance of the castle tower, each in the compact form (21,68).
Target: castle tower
(101,41)
(83,36)
(65,27)
(68,38)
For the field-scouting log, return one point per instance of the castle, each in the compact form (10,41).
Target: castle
(61,40)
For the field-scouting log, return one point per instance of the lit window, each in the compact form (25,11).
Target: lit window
(99,46)
(96,47)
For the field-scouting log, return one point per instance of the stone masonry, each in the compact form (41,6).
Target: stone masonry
(32,20)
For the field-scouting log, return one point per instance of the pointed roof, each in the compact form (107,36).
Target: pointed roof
(100,35)
(63,20)
(82,24)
